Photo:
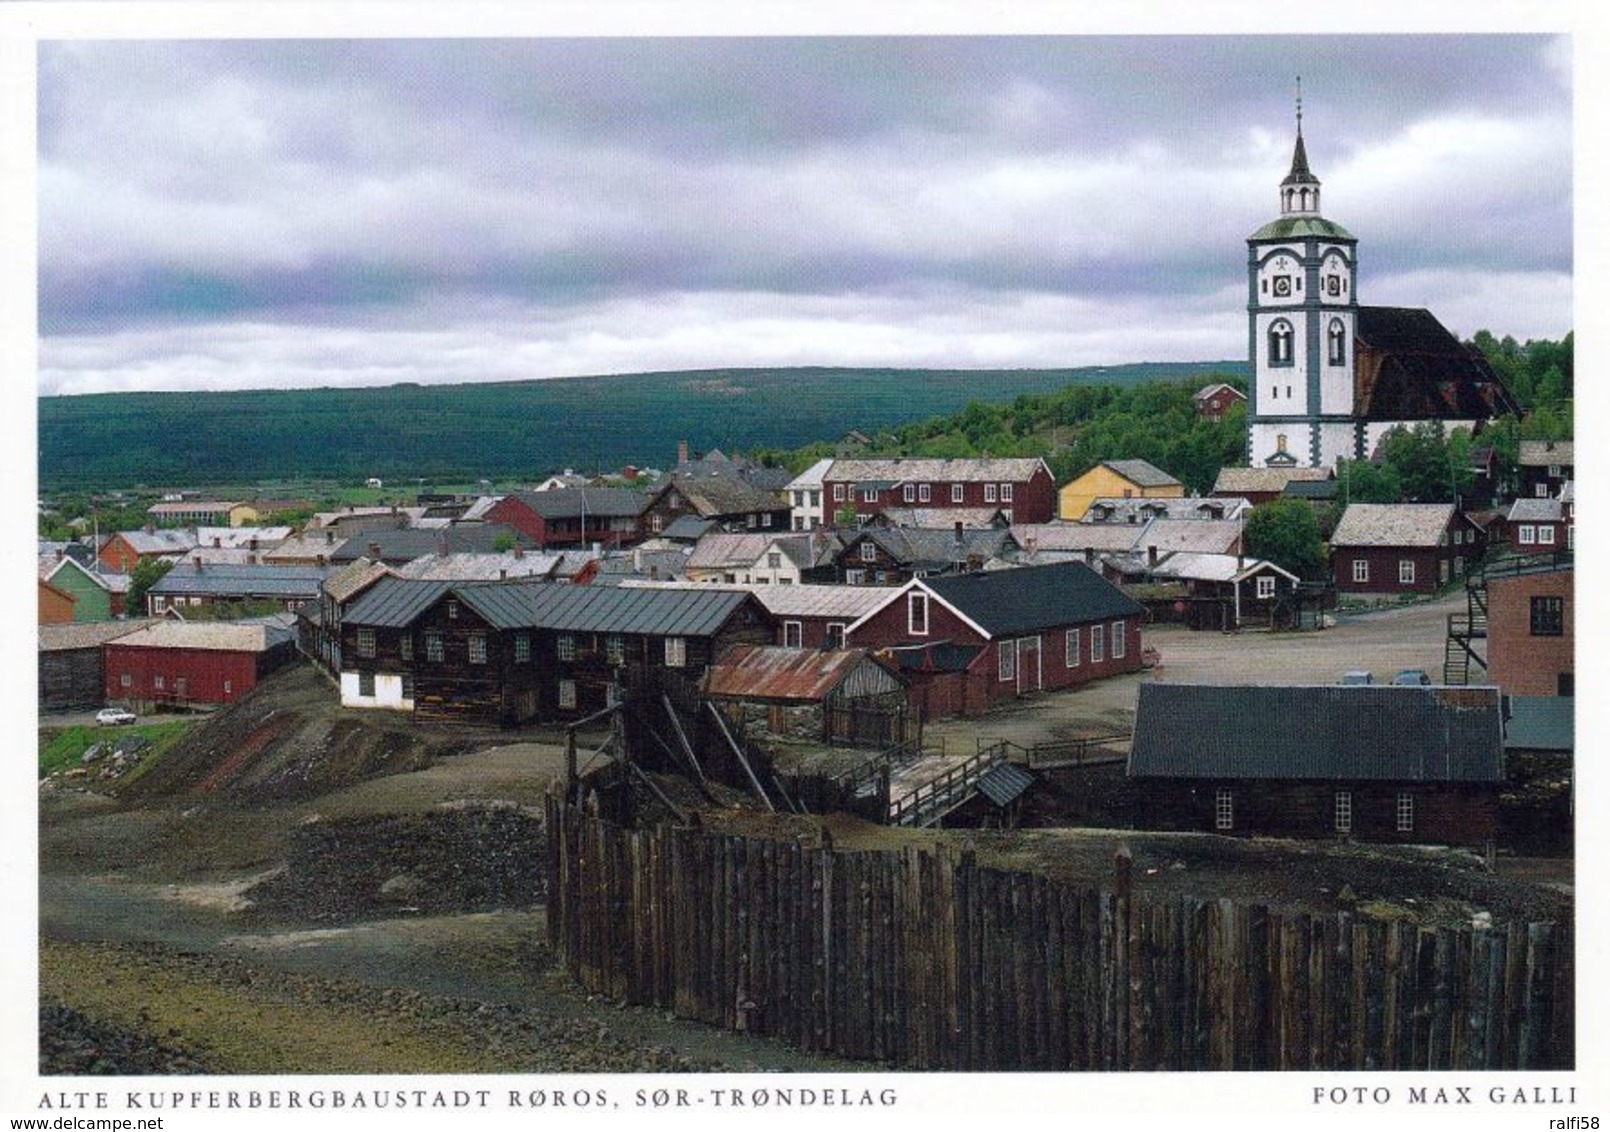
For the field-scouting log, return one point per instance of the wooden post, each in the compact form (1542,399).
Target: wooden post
(737,750)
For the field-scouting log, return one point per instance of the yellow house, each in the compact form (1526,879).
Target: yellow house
(1116,479)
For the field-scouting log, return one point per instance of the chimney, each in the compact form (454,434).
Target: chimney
(216,542)
(1090,555)
(519,551)
(374,550)
(329,536)
(60,554)
(503,575)
(1151,555)
(682,452)
(252,543)
(199,564)
(323,560)
(150,528)
(959,538)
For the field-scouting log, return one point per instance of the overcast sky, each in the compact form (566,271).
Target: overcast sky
(255,213)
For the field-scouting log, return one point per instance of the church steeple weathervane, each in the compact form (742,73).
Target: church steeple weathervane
(1299,192)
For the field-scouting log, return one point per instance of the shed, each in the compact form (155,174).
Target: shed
(840,696)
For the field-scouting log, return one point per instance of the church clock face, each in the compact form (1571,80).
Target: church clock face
(1282,286)
(1333,284)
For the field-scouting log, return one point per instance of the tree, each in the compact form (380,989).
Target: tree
(1430,468)
(1366,482)
(503,542)
(1286,532)
(146,573)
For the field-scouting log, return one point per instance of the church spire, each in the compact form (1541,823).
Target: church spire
(1299,192)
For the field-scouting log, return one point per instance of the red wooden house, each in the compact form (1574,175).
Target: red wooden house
(1384,549)
(1213,401)
(968,641)
(577,516)
(1023,488)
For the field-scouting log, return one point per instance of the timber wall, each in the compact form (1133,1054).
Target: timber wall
(925,960)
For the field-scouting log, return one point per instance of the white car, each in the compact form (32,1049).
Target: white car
(108,717)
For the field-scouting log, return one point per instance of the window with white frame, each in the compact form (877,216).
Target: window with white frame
(1266,587)
(435,651)
(158,683)
(958,492)
(125,680)
(1070,649)
(405,646)
(1120,641)
(615,650)
(676,652)
(522,648)
(452,611)
(567,695)
(366,642)
(1361,569)
(774,559)
(924,494)
(869,495)
(1526,534)
(1006,660)
(838,493)
(366,685)
(1405,571)
(854,577)
(1223,809)
(1006,493)
(1344,811)
(565,647)
(765,519)
(869,551)
(477,648)
(917,614)
(908,493)
(835,634)
(1545,534)
(1098,651)
(1405,812)
(793,634)
(989,493)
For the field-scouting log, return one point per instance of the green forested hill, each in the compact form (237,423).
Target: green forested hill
(498,430)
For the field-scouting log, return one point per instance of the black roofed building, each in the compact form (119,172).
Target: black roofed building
(514,652)
(1376,763)
(887,556)
(193,589)
(970,640)
(398,546)
(572,516)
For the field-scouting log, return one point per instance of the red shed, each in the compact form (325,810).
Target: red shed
(179,662)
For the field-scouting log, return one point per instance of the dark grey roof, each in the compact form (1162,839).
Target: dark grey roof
(714,496)
(687,527)
(1353,732)
(1313,489)
(1004,783)
(622,609)
(407,544)
(393,603)
(1541,723)
(930,548)
(230,578)
(1020,600)
(1141,473)
(571,502)
(1418,370)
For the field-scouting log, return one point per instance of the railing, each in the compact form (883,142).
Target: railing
(1524,564)
(936,798)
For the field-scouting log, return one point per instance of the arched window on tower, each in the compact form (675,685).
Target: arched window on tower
(1337,337)
(1280,343)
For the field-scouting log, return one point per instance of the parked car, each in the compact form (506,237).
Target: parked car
(112,716)
(1356,676)
(1411,676)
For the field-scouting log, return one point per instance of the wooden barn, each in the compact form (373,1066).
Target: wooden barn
(1373,763)
(180,663)
(1391,549)
(72,662)
(844,696)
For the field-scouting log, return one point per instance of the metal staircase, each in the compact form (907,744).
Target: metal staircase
(1464,630)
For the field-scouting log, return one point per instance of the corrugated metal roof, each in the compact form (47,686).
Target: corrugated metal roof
(1004,783)
(348,580)
(167,541)
(716,551)
(640,610)
(1077,536)
(769,672)
(1194,536)
(234,578)
(1353,732)
(1393,524)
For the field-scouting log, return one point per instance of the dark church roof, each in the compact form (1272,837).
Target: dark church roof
(1299,174)
(1411,367)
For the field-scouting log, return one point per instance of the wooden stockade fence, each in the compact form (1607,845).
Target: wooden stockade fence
(923,959)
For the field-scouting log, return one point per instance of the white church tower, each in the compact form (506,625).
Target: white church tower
(1302,315)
